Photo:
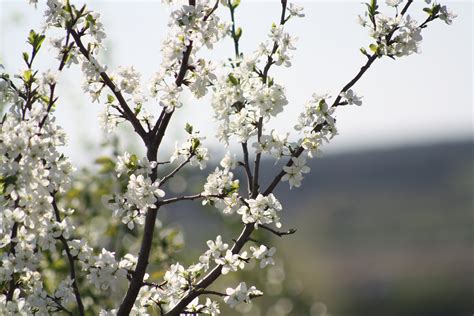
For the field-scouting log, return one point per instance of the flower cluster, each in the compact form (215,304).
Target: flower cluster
(32,172)
(241,294)
(241,98)
(261,210)
(263,254)
(400,35)
(103,270)
(294,173)
(275,144)
(246,95)
(141,195)
(192,150)
(191,28)
(222,190)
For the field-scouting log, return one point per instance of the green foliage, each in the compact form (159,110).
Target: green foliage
(5,182)
(35,40)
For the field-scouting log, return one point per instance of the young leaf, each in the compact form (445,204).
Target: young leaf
(188,128)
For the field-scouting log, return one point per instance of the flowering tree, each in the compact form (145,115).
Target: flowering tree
(38,227)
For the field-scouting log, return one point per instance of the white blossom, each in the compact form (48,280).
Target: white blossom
(263,254)
(241,294)
(294,173)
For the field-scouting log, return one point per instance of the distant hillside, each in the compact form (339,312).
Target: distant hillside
(383,232)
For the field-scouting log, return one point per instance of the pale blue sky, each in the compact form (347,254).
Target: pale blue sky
(420,98)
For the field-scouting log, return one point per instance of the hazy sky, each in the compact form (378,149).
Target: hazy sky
(420,98)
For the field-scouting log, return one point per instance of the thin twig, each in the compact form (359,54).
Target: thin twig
(209,292)
(189,198)
(270,62)
(277,232)
(175,171)
(72,269)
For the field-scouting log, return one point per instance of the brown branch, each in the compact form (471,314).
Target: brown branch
(270,62)
(405,8)
(211,276)
(128,113)
(12,284)
(70,258)
(246,231)
(256,165)
(189,198)
(246,165)
(371,59)
(245,151)
(175,171)
(354,80)
(59,305)
(277,232)
(209,292)
(153,144)
(280,175)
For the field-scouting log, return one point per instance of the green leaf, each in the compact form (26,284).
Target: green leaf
(35,40)
(32,37)
(5,182)
(103,160)
(270,81)
(233,188)
(373,47)
(68,7)
(232,79)
(90,19)
(39,42)
(235,3)
(133,164)
(110,98)
(195,142)
(27,75)
(238,33)
(137,109)
(26,57)
(188,128)
(435,10)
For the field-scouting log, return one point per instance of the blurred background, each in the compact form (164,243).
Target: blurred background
(385,219)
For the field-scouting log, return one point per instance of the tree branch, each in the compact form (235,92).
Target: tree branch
(246,165)
(12,284)
(129,115)
(245,151)
(371,59)
(211,276)
(175,171)
(188,198)
(153,144)
(70,258)
(256,167)
(277,232)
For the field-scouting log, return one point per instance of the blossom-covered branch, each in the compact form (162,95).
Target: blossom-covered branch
(35,176)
